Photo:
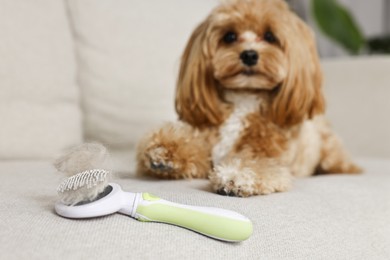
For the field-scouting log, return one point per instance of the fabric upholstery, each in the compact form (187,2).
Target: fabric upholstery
(358,94)
(129,53)
(324,217)
(39,110)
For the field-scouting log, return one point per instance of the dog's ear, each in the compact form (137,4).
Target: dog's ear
(300,95)
(197,96)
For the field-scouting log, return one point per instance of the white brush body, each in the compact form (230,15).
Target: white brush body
(116,200)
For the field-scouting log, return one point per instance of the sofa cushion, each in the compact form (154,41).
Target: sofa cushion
(129,54)
(358,94)
(39,111)
(323,217)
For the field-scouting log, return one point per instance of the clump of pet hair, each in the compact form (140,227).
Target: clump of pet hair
(85,157)
(88,166)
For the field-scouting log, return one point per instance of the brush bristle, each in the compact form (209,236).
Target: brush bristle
(84,186)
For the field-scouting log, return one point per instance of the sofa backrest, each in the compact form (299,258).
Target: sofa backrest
(39,100)
(124,57)
(128,53)
(358,97)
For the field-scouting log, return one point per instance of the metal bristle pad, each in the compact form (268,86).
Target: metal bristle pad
(88,179)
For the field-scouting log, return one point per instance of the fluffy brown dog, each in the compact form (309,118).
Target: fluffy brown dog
(250,104)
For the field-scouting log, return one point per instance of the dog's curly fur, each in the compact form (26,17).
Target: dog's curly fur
(249,128)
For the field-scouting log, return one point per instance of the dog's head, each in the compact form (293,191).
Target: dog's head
(250,45)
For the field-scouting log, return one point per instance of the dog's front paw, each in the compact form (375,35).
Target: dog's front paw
(236,180)
(173,162)
(160,159)
(175,151)
(161,162)
(232,180)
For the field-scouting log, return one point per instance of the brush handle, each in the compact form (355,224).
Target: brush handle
(213,222)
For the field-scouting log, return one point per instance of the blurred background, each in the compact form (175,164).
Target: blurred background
(346,27)
(105,71)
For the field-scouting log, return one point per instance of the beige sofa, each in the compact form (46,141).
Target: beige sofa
(105,70)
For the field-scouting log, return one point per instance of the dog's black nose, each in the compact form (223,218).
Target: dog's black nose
(249,57)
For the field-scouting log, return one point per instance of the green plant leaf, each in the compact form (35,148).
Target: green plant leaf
(338,24)
(379,44)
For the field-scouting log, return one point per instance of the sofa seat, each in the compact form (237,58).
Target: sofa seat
(322,217)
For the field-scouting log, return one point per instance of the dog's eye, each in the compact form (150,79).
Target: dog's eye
(230,37)
(270,37)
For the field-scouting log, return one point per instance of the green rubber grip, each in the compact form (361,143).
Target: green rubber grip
(213,222)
